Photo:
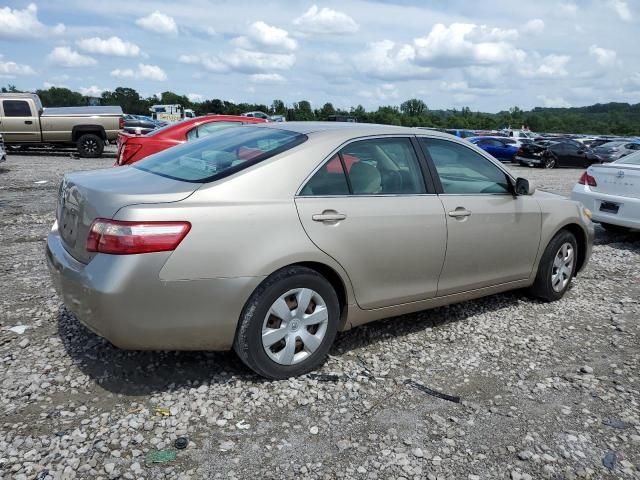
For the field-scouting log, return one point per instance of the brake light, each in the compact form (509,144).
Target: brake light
(587,179)
(121,123)
(126,238)
(128,151)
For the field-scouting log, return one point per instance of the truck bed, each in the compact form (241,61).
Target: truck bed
(81,111)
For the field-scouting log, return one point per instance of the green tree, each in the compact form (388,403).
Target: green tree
(413,107)
(61,97)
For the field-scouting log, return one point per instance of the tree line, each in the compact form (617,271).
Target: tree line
(608,118)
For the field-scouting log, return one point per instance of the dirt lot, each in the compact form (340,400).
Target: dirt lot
(547,390)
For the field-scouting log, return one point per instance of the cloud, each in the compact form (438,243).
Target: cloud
(268,78)
(567,9)
(462,44)
(16,23)
(387,60)
(144,71)
(114,46)
(550,66)
(65,57)
(604,57)
(535,26)
(384,92)
(195,97)
(249,61)
(554,102)
(262,36)
(10,69)
(325,21)
(92,91)
(159,23)
(621,8)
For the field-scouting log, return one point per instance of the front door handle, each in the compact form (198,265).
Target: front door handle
(328,216)
(460,212)
(28,122)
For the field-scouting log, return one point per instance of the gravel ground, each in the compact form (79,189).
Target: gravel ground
(547,390)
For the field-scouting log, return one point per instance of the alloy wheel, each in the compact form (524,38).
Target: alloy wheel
(90,145)
(295,326)
(562,269)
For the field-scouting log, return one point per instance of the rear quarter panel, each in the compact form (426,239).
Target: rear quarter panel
(246,225)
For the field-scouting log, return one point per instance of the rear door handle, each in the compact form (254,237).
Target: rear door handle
(459,213)
(328,216)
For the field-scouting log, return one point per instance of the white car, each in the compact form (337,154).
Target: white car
(612,192)
(3,153)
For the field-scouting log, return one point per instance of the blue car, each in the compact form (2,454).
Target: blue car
(502,148)
(460,133)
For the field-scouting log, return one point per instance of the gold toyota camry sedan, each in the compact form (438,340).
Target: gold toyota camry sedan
(268,239)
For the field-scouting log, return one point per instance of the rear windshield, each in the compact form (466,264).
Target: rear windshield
(633,159)
(220,154)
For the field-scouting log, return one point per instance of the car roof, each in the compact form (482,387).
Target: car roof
(352,129)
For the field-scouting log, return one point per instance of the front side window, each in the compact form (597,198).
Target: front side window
(220,154)
(206,129)
(381,166)
(16,108)
(464,171)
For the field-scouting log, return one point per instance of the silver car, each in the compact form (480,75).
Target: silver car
(270,238)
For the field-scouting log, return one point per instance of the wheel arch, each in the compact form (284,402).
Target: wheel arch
(581,239)
(80,130)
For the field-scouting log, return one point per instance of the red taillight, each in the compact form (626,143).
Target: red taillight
(587,179)
(126,238)
(121,123)
(128,151)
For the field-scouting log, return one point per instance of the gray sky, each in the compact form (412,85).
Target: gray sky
(485,55)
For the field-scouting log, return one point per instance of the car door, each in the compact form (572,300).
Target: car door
(370,208)
(19,124)
(493,236)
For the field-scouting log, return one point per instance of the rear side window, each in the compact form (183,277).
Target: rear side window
(220,154)
(463,171)
(371,167)
(16,108)
(206,129)
(329,180)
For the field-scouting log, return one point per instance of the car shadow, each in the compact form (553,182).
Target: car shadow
(134,373)
(404,325)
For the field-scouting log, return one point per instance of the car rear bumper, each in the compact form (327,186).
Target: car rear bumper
(628,214)
(528,160)
(123,299)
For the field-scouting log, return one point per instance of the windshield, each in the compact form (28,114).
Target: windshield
(221,153)
(633,159)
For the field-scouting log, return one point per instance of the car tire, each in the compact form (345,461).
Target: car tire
(294,348)
(90,145)
(609,227)
(550,162)
(555,271)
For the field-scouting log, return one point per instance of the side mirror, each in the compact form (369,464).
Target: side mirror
(523,187)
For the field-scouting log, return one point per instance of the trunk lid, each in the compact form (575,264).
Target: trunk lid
(85,196)
(616,179)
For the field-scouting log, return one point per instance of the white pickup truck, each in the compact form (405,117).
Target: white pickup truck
(23,122)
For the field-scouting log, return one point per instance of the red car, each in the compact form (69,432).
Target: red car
(132,148)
